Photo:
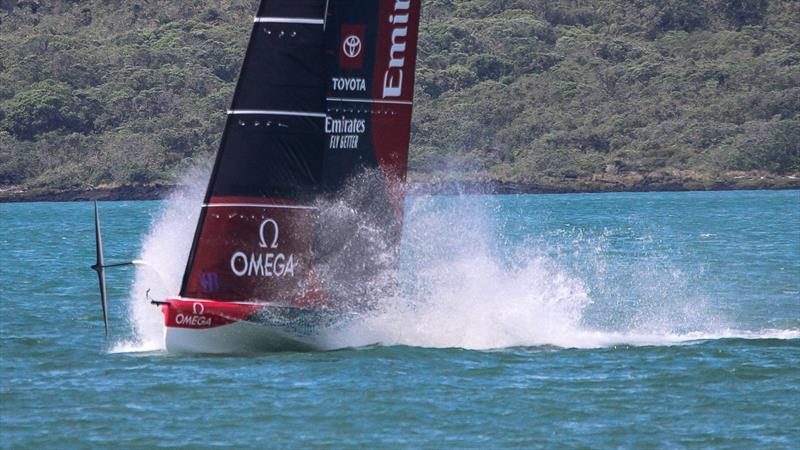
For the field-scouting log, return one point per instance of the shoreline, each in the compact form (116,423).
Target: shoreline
(453,187)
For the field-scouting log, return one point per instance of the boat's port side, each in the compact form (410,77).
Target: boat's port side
(234,338)
(204,326)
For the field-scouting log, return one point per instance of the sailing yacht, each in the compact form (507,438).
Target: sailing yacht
(321,115)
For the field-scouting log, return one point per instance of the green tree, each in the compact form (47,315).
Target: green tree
(46,106)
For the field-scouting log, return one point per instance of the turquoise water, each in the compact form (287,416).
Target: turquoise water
(615,320)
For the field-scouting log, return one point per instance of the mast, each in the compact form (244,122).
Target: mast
(324,96)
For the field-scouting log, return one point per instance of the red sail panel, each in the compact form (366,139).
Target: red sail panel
(254,250)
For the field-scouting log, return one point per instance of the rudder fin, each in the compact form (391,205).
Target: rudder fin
(99,266)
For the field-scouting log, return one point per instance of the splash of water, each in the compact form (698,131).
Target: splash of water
(165,250)
(466,287)
(462,287)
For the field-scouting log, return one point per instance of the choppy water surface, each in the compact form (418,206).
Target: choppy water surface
(664,319)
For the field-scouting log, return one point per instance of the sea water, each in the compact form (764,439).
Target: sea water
(599,320)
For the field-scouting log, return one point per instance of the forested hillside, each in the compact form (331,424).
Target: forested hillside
(109,92)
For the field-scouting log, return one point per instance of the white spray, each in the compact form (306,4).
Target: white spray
(165,250)
(461,289)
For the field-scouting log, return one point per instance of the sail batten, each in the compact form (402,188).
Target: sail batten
(302,20)
(257,205)
(370,100)
(265,112)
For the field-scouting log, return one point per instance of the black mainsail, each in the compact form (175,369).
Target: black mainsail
(324,96)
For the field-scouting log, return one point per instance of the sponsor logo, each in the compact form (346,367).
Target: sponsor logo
(349,84)
(393,76)
(352,46)
(351,50)
(267,263)
(345,125)
(263,237)
(196,319)
(209,281)
(345,133)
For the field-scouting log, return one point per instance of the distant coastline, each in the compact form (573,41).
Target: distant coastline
(449,186)
(556,96)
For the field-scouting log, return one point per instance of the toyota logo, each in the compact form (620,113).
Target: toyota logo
(352,46)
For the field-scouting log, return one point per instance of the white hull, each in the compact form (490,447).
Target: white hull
(238,337)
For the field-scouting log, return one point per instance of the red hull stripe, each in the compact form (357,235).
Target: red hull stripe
(205,314)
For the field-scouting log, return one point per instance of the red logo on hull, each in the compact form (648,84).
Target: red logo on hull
(204,314)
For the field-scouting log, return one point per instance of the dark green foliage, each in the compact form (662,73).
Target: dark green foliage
(608,88)
(744,12)
(47,106)
(108,92)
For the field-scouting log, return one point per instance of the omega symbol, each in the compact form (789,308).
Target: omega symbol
(198,309)
(262,234)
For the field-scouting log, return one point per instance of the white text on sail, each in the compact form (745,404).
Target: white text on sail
(393,77)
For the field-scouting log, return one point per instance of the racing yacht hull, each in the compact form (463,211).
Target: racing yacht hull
(195,326)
